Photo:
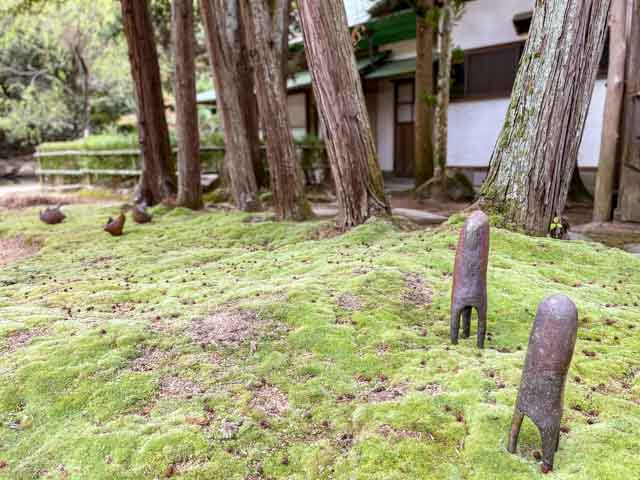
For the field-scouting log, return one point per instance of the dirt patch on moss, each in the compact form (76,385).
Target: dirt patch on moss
(382,393)
(178,387)
(17,248)
(226,327)
(417,292)
(349,302)
(388,431)
(270,400)
(150,359)
(19,340)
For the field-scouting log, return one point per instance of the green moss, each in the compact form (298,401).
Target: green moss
(71,400)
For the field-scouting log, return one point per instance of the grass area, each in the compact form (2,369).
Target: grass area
(93,143)
(206,347)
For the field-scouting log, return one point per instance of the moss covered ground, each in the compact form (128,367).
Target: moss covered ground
(204,346)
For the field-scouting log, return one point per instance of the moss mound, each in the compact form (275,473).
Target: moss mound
(202,346)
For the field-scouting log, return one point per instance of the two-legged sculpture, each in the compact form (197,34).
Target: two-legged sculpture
(541,395)
(470,278)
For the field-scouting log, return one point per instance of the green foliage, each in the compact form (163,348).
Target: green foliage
(363,381)
(43,48)
(93,143)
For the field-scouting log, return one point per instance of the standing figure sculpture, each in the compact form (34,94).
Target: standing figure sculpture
(541,395)
(470,278)
(115,227)
(52,215)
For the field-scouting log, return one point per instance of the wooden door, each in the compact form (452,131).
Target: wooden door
(404,137)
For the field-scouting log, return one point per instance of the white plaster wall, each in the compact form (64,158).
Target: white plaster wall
(473,130)
(489,22)
(402,50)
(589,153)
(384,124)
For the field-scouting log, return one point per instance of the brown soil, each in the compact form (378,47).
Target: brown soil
(232,326)
(271,401)
(179,388)
(19,340)
(349,302)
(150,359)
(14,249)
(389,431)
(417,292)
(384,394)
(27,201)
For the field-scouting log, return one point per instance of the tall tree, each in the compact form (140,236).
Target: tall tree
(338,90)
(265,53)
(158,179)
(629,193)
(424,120)
(536,152)
(235,98)
(189,182)
(447,17)
(603,199)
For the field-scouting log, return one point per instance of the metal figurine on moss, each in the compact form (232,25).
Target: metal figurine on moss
(541,395)
(470,278)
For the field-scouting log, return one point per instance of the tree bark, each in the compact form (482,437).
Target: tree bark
(286,178)
(338,91)
(281,17)
(184,42)
(536,152)
(158,178)
(444,95)
(86,97)
(603,199)
(629,197)
(235,98)
(424,92)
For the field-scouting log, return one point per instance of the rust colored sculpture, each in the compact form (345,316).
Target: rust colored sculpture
(549,354)
(52,216)
(470,278)
(115,227)
(140,215)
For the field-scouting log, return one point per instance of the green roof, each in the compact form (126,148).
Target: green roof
(300,79)
(393,69)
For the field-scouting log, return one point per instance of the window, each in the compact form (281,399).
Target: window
(522,22)
(405,98)
(297,105)
(492,71)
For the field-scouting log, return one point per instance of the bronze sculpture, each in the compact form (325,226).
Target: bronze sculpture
(470,277)
(52,215)
(541,394)
(115,227)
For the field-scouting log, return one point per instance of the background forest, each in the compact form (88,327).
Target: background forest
(64,69)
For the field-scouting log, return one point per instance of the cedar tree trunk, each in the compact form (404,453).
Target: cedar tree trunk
(603,199)
(235,98)
(286,176)
(424,92)
(184,42)
(158,179)
(338,90)
(536,152)
(444,94)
